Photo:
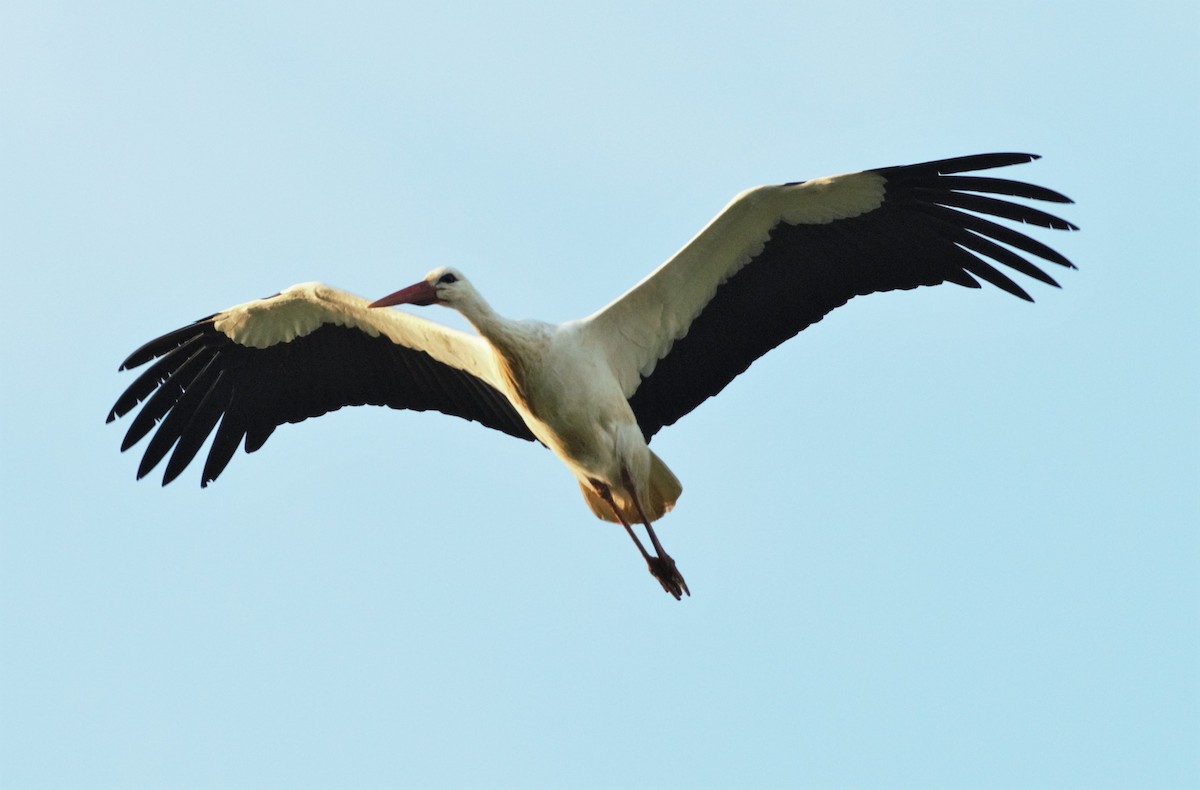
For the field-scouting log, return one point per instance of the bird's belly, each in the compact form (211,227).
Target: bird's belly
(572,435)
(583,449)
(586,438)
(574,405)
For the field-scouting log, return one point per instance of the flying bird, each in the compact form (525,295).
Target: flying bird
(594,391)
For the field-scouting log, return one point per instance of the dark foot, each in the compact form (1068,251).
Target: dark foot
(663,568)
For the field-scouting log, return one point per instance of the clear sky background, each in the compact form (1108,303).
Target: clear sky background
(943,538)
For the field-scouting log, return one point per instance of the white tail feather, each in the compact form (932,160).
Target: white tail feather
(664,490)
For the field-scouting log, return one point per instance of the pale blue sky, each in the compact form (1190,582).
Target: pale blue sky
(943,538)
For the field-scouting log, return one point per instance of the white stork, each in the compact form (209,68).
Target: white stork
(595,390)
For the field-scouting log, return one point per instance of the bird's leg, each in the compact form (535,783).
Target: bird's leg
(662,566)
(604,493)
(655,564)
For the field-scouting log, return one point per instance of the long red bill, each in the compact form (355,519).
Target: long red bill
(421,294)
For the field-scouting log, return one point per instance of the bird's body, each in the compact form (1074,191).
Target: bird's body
(595,390)
(559,380)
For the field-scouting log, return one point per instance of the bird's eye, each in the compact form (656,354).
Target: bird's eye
(446,279)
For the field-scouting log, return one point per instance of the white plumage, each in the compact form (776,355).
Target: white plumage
(594,391)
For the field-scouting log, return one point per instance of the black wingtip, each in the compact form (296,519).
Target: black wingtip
(161,345)
(133,437)
(172,472)
(957,164)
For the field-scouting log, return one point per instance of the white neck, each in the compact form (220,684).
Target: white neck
(501,332)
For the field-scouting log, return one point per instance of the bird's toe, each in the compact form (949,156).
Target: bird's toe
(663,569)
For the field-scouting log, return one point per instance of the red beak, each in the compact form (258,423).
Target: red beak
(421,294)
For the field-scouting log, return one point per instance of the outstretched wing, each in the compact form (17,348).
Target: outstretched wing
(301,353)
(779,258)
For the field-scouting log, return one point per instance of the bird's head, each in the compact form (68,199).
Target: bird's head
(443,286)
